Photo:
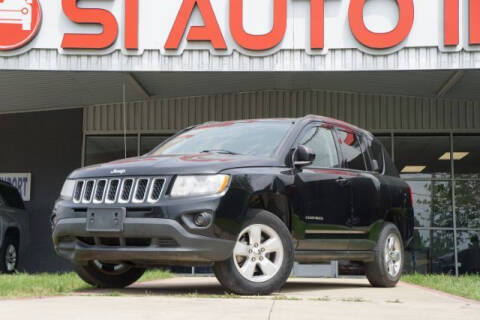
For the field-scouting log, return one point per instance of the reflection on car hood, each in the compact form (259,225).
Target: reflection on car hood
(205,163)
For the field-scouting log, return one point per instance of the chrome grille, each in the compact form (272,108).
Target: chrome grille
(112,190)
(100,191)
(88,192)
(77,194)
(127,187)
(156,190)
(140,190)
(123,191)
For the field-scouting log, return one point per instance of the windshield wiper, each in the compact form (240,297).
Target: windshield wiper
(220,151)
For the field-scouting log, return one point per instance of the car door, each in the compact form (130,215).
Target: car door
(364,186)
(320,198)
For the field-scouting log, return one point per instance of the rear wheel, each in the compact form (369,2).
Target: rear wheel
(387,267)
(105,275)
(9,255)
(262,258)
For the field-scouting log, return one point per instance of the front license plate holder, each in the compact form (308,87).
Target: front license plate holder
(106,219)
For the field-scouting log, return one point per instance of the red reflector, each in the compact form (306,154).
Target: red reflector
(411,195)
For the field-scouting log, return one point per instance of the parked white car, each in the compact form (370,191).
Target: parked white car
(16,12)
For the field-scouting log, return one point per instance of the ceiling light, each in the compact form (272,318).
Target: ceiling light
(413,169)
(456,156)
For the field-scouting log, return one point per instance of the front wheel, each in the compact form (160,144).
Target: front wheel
(104,275)
(387,267)
(262,258)
(9,256)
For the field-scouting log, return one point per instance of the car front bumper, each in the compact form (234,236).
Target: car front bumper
(143,241)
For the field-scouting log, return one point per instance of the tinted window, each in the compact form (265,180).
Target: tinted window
(11,197)
(321,141)
(375,150)
(255,138)
(351,150)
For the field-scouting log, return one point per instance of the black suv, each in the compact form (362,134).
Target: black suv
(248,197)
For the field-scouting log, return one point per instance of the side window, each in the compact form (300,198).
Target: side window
(376,152)
(352,150)
(322,142)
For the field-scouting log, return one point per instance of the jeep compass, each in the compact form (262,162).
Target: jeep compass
(248,197)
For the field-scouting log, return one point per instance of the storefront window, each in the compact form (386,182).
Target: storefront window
(467,201)
(466,157)
(100,149)
(432,203)
(468,246)
(422,156)
(434,252)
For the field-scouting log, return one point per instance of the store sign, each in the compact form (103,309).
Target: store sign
(253,27)
(19,22)
(21,181)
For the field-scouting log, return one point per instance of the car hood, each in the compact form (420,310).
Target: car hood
(205,163)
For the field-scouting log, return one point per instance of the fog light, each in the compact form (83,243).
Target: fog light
(202,219)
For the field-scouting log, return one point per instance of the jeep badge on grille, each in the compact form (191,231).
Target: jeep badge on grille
(118,171)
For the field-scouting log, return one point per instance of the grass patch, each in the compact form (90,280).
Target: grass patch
(285,298)
(42,285)
(467,286)
(321,299)
(355,299)
(196,295)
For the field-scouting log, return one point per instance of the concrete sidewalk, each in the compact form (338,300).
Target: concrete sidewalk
(197,298)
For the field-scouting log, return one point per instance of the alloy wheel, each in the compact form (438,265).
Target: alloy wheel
(11,258)
(258,253)
(393,255)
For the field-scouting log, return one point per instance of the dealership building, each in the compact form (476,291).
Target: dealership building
(84,82)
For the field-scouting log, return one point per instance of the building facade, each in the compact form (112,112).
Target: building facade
(97,81)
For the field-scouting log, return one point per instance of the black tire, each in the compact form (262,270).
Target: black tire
(101,278)
(8,243)
(228,275)
(377,270)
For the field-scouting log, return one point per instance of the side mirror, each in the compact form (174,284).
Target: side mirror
(303,156)
(375,166)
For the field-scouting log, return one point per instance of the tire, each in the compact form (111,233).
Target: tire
(386,269)
(275,248)
(9,255)
(106,276)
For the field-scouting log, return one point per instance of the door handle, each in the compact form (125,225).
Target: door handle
(343,182)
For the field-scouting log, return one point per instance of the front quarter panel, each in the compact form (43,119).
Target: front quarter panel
(14,218)
(260,188)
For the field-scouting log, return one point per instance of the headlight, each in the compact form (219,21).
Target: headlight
(188,186)
(67,190)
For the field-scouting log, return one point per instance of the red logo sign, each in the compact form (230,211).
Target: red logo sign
(19,22)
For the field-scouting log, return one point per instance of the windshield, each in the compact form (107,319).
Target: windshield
(255,138)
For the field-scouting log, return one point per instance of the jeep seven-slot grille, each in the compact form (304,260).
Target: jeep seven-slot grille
(156,190)
(140,190)
(115,190)
(100,191)
(126,190)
